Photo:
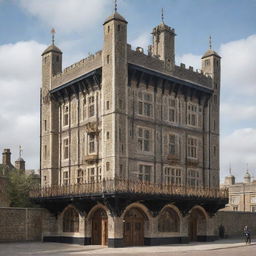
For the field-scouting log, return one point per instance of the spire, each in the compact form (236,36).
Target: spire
(53,35)
(20,151)
(230,169)
(115,5)
(210,42)
(162,15)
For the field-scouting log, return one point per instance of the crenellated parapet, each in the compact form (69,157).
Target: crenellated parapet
(181,72)
(78,69)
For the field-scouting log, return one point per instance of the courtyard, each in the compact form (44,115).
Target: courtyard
(220,247)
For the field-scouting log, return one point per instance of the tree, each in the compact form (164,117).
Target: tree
(18,187)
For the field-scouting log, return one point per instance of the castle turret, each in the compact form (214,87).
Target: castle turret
(211,66)
(247,177)
(6,157)
(164,44)
(230,179)
(115,93)
(51,65)
(20,163)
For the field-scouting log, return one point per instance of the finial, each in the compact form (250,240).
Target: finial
(230,169)
(53,35)
(115,5)
(162,15)
(247,169)
(210,42)
(20,150)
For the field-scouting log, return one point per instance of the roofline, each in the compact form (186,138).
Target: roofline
(171,78)
(78,79)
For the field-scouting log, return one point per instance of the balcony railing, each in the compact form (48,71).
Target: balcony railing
(125,186)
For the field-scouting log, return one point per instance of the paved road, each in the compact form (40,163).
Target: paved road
(220,248)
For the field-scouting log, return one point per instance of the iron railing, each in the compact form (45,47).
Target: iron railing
(125,186)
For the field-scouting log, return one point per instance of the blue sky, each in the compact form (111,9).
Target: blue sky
(25,26)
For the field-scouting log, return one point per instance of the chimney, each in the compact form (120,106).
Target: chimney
(7,157)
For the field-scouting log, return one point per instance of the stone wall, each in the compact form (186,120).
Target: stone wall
(21,224)
(234,223)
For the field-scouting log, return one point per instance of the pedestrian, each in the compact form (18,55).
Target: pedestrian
(247,235)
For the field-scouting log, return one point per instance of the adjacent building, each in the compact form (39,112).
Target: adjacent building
(130,143)
(242,195)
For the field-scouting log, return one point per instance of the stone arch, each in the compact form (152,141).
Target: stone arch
(169,219)
(97,224)
(70,219)
(197,223)
(135,217)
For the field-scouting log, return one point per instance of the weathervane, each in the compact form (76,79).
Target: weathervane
(230,168)
(115,5)
(210,42)
(53,35)
(20,150)
(162,16)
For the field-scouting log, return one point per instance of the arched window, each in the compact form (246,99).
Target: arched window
(168,221)
(70,220)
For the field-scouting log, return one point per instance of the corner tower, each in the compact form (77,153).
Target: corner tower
(114,95)
(164,44)
(49,121)
(211,66)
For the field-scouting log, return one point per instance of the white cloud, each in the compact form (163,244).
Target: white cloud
(68,15)
(238,148)
(142,41)
(238,112)
(20,79)
(238,65)
(190,60)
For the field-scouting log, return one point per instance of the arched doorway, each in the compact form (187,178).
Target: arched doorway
(134,221)
(168,221)
(196,225)
(100,227)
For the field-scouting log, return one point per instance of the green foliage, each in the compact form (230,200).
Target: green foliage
(18,188)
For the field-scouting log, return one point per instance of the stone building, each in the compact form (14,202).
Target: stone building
(6,168)
(130,143)
(242,195)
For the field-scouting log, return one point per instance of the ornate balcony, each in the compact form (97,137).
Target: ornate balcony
(119,186)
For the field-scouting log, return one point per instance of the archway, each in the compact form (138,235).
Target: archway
(168,220)
(100,227)
(197,224)
(134,221)
(70,220)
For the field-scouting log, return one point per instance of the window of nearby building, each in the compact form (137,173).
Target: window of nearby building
(99,174)
(235,208)
(234,200)
(65,115)
(45,152)
(253,208)
(144,139)
(80,176)
(172,144)
(107,166)
(193,178)
(65,149)
(92,175)
(65,178)
(192,114)
(172,176)
(45,125)
(91,102)
(145,104)
(207,62)
(144,173)
(107,104)
(253,199)
(92,143)
(192,147)
(172,110)
(168,221)
(84,109)
(70,220)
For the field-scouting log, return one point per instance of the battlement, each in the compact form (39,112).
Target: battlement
(138,57)
(77,69)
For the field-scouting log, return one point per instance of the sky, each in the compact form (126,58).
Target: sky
(25,32)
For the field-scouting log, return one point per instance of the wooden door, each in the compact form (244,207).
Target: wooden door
(193,229)
(100,228)
(134,229)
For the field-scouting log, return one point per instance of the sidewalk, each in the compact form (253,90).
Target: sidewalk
(42,249)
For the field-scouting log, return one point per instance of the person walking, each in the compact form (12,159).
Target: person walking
(247,235)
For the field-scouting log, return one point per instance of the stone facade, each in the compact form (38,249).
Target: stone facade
(242,195)
(21,224)
(123,114)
